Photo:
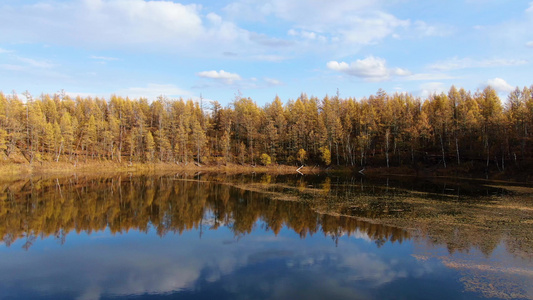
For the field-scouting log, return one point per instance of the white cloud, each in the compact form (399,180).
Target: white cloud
(223,76)
(268,41)
(31,66)
(153,90)
(371,28)
(272,81)
(171,27)
(371,69)
(103,58)
(83,95)
(236,81)
(456,63)
(500,85)
(4,51)
(429,77)
(529,44)
(530,8)
(307,35)
(304,12)
(141,25)
(349,23)
(269,57)
(13,67)
(423,29)
(35,63)
(512,33)
(214,18)
(430,88)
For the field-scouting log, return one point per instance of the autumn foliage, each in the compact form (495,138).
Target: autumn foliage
(458,128)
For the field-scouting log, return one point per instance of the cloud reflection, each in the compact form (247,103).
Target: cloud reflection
(138,264)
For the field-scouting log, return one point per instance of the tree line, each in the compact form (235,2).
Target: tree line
(454,128)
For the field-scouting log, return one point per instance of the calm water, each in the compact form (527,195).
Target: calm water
(200,237)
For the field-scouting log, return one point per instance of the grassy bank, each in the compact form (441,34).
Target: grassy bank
(101,167)
(107,167)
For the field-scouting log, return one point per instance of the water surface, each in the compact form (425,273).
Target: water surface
(261,237)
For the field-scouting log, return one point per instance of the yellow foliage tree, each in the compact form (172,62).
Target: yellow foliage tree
(325,155)
(265,159)
(301,156)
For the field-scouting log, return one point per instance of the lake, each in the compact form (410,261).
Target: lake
(261,236)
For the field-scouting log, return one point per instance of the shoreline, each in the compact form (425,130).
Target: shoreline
(106,167)
(95,167)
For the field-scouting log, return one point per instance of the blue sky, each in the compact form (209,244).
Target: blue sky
(263,48)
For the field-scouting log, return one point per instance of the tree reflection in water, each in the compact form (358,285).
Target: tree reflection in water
(460,227)
(55,207)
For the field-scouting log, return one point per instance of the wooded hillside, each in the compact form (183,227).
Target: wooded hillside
(457,128)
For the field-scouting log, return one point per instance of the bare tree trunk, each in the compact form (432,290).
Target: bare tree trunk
(59,152)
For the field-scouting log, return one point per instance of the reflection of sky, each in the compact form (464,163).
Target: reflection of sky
(499,275)
(259,265)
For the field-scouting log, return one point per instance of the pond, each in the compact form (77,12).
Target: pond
(208,236)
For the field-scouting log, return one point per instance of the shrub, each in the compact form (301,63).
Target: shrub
(325,155)
(301,156)
(265,159)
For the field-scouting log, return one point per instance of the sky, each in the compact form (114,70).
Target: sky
(219,50)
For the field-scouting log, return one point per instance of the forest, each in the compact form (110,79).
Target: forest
(455,129)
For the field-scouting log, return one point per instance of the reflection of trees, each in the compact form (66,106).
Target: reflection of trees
(32,208)
(55,207)
(456,213)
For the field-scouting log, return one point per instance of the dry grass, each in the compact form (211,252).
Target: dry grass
(515,189)
(106,167)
